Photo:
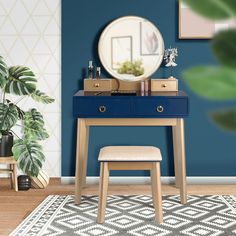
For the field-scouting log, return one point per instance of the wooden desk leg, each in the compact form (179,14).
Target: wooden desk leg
(80,150)
(180,159)
(85,159)
(175,147)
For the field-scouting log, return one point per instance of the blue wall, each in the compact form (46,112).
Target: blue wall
(210,151)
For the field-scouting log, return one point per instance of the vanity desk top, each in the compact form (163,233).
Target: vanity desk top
(123,94)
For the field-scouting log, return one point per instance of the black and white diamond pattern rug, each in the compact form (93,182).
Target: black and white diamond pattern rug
(131,215)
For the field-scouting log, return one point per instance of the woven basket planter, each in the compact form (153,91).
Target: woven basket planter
(41,181)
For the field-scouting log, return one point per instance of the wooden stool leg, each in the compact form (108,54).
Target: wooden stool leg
(156,191)
(15,177)
(11,175)
(103,186)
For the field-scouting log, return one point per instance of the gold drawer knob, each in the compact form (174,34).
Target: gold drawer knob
(160,109)
(102,108)
(96,85)
(163,85)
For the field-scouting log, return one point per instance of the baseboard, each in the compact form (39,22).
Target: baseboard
(146,180)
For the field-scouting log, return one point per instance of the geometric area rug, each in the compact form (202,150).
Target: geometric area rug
(132,215)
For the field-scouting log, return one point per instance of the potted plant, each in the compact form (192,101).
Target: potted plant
(21,82)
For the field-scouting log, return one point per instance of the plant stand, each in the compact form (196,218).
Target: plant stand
(12,170)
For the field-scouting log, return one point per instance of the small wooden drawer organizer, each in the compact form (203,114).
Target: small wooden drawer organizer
(164,85)
(97,85)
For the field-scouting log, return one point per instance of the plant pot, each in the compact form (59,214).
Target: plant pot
(24,182)
(6,143)
(41,181)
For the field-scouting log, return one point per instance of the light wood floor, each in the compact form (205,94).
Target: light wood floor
(15,206)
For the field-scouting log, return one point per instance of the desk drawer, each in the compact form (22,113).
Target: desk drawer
(102,107)
(160,107)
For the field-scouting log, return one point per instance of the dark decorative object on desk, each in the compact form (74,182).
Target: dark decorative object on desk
(24,182)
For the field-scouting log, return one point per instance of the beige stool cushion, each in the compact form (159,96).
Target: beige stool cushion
(130,153)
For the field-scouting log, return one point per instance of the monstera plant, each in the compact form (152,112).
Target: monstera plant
(20,82)
(217,83)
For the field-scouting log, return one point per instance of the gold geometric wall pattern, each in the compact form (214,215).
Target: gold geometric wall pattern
(30,34)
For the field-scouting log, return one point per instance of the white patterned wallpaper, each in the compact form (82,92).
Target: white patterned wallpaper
(30,35)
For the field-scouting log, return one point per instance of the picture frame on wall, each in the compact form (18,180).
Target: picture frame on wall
(194,26)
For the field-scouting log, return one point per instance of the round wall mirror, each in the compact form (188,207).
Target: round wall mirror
(131,48)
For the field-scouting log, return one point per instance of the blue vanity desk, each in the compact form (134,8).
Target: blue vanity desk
(111,109)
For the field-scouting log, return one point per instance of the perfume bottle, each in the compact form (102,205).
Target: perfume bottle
(146,82)
(98,73)
(142,88)
(90,70)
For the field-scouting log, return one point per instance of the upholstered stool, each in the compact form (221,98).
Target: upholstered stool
(130,158)
(12,170)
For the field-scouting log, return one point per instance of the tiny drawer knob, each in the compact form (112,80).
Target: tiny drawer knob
(96,85)
(102,108)
(163,85)
(160,109)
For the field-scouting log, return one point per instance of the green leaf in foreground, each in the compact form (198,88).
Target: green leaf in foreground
(215,83)
(225,119)
(224,47)
(41,97)
(29,155)
(213,9)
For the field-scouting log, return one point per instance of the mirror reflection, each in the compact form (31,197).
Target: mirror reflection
(131,48)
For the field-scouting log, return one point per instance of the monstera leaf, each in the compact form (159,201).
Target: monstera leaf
(21,81)
(41,97)
(213,9)
(225,118)
(19,110)
(34,116)
(8,116)
(3,72)
(28,154)
(34,125)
